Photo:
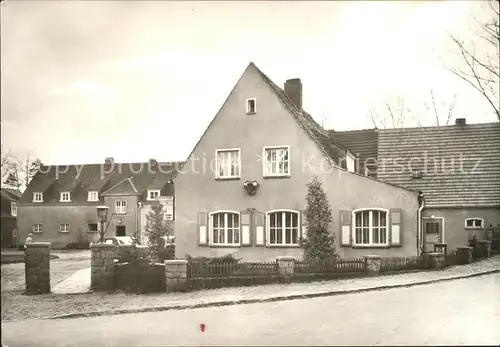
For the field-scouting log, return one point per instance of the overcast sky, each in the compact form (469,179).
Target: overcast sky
(82,81)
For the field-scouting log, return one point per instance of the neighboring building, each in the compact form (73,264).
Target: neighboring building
(242,190)
(457,167)
(9,198)
(363,144)
(59,205)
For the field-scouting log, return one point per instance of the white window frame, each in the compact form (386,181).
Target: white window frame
(153,191)
(93,195)
(370,227)
(217,164)
(13,209)
(283,226)
(61,198)
(247,103)
(121,206)
(37,197)
(64,228)
(211,232)
(474,227)
(37,228)
(264,162)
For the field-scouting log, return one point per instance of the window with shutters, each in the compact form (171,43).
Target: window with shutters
(283,228)
(227,164)
(371,227)
(225,228)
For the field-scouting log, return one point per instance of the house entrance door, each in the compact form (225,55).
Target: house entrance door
(433,233)
(120,230)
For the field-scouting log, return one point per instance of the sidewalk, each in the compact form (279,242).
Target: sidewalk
(85,305)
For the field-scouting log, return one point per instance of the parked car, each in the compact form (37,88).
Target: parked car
(122,240)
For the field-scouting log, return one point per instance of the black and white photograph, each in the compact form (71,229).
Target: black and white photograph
(250,173)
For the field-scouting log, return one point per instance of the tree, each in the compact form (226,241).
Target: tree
(319,245)
(6,160)
(399,115)
(480,57)
(157,228)
(21,169)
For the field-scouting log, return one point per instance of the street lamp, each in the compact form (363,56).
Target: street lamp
(102,217)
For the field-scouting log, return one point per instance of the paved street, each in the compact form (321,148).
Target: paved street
(68,263)
(462,312)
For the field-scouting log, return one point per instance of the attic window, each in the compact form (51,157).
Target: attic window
(416,174)
(65,197)
(153,194)
(251,106)
(93,195)
(37,197)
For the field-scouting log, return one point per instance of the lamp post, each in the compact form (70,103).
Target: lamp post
(102,217)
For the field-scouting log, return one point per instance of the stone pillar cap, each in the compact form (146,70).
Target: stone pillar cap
(37,244)
(485,241)
(465,247)
(176,262)
(286,257)
(435,254)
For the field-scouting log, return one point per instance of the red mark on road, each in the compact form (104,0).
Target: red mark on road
(202,327)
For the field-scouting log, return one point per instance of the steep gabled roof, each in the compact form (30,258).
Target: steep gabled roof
(124,187)
(463,163)
(79,179)
(363,143)
(332,151)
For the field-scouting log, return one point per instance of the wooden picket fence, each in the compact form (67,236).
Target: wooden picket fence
(335,265)
(231,269)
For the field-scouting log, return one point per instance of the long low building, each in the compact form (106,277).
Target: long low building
(60,203)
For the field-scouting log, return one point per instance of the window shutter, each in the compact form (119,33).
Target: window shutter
(202,228)
(345,228)
(396,225)
(303,221)
(260,228)
(245,228)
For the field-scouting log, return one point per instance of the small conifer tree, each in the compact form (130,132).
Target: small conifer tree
(319,244)
(157,229)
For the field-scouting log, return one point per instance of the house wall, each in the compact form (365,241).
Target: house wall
(51,216)
(129,220)
(8,224)
(455,233)
(197,190)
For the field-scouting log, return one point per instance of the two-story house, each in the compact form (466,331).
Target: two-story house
(60,203)
(242,189)
(8,217)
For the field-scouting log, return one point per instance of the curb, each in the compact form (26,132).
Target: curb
(272,299)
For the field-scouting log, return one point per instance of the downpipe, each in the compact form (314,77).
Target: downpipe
(421,201)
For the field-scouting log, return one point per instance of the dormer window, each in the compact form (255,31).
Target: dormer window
(251,106)
(153,194)
(93,195)
(37,197)
(65,197)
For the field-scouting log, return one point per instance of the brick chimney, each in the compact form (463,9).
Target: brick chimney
(293,89)
(109,163)
(153,165)
(460,121)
